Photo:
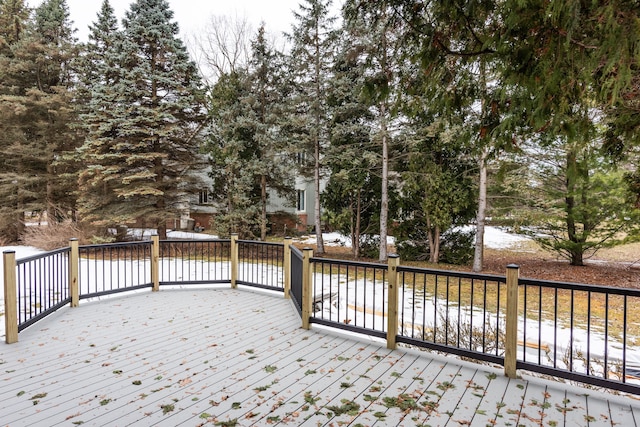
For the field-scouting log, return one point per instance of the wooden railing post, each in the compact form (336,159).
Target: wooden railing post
(10,298)
(511,329)
(307,287)
(155,262)
(234,260)
(74,264)
(393,262)
(286,266)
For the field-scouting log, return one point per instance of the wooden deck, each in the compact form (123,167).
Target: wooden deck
(236,357)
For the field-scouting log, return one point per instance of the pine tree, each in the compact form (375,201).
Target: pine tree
(37,112)
(311,59)
(233,153)
(145,144)
(378,34)
(250,157)
(14,17)
(13,20)
(266,98)
(352,196)
(99,74)
(98,66)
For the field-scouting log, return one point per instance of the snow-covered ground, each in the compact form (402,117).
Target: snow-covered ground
(146,233)
(494,237)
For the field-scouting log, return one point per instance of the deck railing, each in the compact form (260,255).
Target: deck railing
(114,268)
(454,312)
(261,264)
(350,296)
(296,261)
(194,262)
(582,333)
(41,286)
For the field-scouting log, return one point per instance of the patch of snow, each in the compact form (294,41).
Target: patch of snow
(494,238)
(190,235)
(499,238)
(146,233)
(336,239)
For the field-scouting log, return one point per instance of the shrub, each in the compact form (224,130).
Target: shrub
(370,246)
(52,236)
(456,247)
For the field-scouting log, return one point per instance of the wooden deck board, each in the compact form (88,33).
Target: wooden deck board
(344,372)
(621,414)
(536,406)
(394,379)
(473,395)
(193,357)
(552,412)
(489,409)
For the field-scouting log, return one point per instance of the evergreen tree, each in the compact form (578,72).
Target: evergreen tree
(266,98)
(438,191)
(249,154)
(352,196)
(581,203)
(588,66)
(233,153)
(13,21)
(144,145)
(539,68)
(378,33)
(101,110)
(98,66)
(14,17)
(37,114)
(313,38)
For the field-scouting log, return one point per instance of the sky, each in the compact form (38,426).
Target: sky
(193,15)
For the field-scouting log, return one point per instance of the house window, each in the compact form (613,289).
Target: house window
(300,205)
(203,197)
(301,158)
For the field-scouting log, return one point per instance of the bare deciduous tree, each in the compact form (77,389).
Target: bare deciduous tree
(224,46)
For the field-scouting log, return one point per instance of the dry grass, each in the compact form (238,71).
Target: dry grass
(52,236)
(625,253)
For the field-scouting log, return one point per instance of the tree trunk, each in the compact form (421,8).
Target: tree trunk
(356,237)
(384,194)
(162,222)
(434,242)
(435,254)
(352,225)
(52,214)
(478,256)
(575,249)
(316,173)
(161,227)
(20,224)
(161,204)
(263,200)
(316,208)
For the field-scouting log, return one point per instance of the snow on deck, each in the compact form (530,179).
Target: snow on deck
(207,356)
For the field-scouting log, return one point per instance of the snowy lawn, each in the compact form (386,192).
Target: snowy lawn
(494,238)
